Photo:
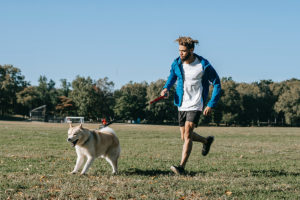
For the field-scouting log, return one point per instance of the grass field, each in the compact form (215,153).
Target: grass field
(244,163)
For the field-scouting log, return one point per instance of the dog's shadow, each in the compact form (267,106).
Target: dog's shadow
(273,173)
(155,172)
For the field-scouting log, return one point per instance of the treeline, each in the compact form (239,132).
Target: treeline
(259,103)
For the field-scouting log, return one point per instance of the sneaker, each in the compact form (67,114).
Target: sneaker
(177,170)
(206,147)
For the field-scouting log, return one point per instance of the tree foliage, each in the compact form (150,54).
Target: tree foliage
(11,82)
(93,99)
(105,98)
(84,96)
(131,101)
(240,104)
(65,88)
(289,103)
(65,107)
(48,94)
(230,103)
(28,98)
(163,110)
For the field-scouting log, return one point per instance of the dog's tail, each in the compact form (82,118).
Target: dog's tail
(108,129)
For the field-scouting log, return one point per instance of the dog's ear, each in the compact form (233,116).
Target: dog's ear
(80,126)
(71,125)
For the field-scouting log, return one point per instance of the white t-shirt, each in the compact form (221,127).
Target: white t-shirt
(192,86)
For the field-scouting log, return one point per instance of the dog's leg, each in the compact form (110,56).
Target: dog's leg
(79,163)
(87,165)
(114,164)
(112,158)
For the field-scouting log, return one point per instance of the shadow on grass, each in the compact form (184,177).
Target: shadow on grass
(272,173)
(156,172)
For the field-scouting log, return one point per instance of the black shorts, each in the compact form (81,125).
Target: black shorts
(191,116)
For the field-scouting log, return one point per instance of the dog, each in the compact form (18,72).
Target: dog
(92,144)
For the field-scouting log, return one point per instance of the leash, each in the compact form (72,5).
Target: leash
(157,99)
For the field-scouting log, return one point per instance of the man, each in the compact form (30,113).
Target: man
(193,74)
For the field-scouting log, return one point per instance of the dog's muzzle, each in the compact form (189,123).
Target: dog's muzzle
(73,142)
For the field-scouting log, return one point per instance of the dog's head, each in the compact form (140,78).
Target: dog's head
(74,134)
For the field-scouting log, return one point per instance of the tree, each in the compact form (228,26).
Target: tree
(131,100)
(66,107)
(289,103)
(84,97)
(230,102)
(11,82)
(48,94)
(249,109)
(65,88)
(29,98)
(105,98)
(162,110)
(278,89)
(265,101)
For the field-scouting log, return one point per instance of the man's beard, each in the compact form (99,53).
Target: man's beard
(186,57)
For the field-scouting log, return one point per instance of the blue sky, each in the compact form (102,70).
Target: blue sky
(134,40)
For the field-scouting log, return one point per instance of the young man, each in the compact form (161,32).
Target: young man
(193,74)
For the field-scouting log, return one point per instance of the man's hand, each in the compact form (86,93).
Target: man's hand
(207,110)
(164,92)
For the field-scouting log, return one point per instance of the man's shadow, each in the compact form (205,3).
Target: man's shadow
(157,172)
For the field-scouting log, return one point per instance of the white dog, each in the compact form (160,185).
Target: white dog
(92,144)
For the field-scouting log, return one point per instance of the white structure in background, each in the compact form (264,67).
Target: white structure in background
(74,120)
(38,114)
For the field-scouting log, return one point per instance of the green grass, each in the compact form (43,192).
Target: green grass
(244,163)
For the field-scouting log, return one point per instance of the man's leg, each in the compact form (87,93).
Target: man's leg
(194,117)
(195,138)
(187,147)
(188,142)
(182,119)
(199,138)
(182,129)
(206,142)
(187,123)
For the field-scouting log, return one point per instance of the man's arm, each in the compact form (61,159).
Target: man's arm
(207,110)
(170,82)
(164,92)
(213,77)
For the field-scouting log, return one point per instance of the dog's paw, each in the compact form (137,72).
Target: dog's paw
(83,174)
(73,172)
(115,173)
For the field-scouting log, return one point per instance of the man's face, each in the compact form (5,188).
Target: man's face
(185,53)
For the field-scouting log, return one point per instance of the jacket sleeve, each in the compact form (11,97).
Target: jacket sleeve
(213,77)
(171,79)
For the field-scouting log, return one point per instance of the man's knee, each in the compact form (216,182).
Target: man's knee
(188,134)
(189,127)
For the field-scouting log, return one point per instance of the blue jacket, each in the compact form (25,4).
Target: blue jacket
(210,75)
